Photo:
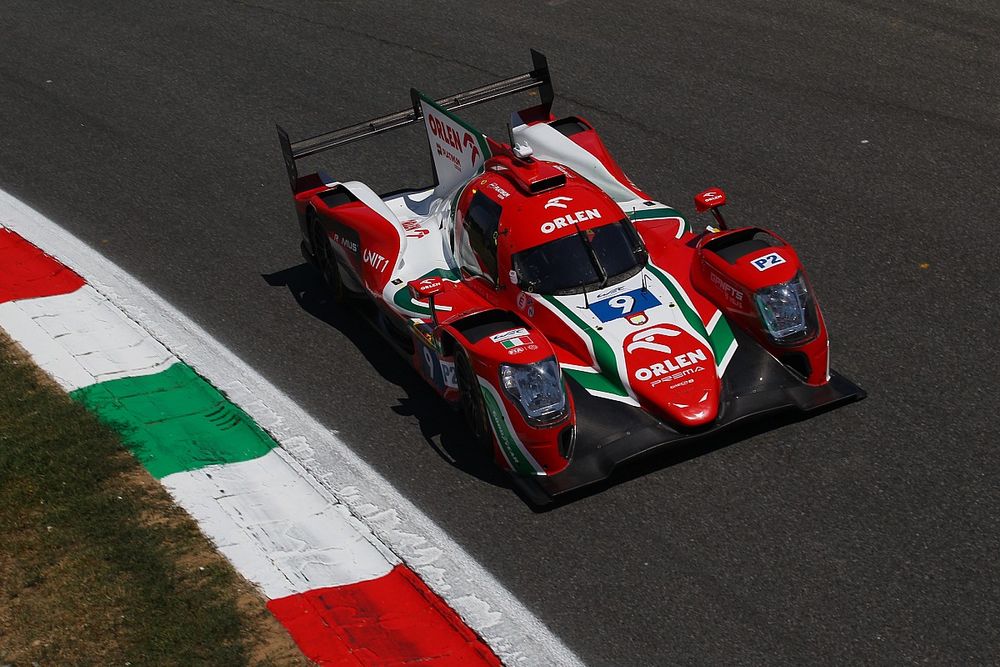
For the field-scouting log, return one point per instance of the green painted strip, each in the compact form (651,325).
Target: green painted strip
(655,213)
(518,461)
(595,381)
(689,314)
(175,421)
(606,359)
(721,338)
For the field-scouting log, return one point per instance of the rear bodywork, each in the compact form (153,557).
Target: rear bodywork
(691,335)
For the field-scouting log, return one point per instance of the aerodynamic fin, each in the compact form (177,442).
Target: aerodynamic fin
(537,77)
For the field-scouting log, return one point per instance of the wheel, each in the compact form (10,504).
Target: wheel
(325,260)
(473,404)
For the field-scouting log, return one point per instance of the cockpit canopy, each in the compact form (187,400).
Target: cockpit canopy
(565,239)
(589,259)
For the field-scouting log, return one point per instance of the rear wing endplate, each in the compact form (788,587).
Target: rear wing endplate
(537,77)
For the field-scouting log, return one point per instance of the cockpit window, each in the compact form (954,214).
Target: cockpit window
(481,223)
(590,259)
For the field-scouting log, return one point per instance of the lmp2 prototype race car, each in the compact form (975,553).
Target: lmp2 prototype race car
(576,322)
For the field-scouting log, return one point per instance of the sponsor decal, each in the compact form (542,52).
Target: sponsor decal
(432,284)
(625,304)
(516,342)
(671,365)
(440,373)
(458,150)
(507,335)
(448,370)
(710,197)
(501,193)
(450,136)
(665,354)
(613,290)
(346,237)
(558,202)
(414,230)
(377,261)
(430,362)
(526,303)
(455,161)
(570,220)
(732,293)
(646,340)
(765,262)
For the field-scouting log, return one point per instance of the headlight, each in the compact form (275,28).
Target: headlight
(536,389)
(787,311)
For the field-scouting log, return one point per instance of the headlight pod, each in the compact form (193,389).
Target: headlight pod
(787,311)
(536,389)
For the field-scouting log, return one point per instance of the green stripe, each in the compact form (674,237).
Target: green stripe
(174,421)
(515,456)
(689,314)
(595,381)
(656,213)
(605,355)
(721,339)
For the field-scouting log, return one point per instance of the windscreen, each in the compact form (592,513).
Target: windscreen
(590,259)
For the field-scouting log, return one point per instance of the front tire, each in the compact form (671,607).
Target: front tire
(473,404)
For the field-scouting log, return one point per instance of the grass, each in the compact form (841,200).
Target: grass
(97,565)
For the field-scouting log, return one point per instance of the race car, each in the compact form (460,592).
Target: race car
(575,321)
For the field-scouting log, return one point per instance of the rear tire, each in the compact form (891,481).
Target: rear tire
(473,404)
(326,261)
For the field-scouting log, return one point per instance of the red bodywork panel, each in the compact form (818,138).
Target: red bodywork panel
(486,356)
(343,217)
(731,284)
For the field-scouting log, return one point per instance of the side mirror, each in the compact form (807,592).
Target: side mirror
(425,288)
(710,200)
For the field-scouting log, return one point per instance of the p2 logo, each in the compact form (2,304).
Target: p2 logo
(765,262)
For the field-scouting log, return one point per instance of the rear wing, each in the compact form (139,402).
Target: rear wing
(537,77)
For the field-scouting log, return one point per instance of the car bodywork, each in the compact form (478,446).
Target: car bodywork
(576,320)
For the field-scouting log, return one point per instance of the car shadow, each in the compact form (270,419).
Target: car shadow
(442,427)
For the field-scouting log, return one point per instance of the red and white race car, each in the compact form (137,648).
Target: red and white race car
(576,321)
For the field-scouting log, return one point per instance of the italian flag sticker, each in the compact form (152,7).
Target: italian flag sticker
(516,342)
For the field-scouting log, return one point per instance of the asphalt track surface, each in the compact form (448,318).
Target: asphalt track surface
(865,132)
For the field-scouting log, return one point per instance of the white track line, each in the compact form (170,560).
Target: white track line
(286,537)
(81,338)
(512,631)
